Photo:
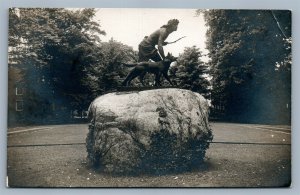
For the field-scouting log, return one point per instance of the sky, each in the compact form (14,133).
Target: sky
(129,26)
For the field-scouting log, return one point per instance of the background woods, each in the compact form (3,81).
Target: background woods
(58,64)
(250,54)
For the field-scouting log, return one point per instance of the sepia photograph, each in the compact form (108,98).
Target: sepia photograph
(149,98)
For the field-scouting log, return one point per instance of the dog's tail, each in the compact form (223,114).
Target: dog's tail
(130,64)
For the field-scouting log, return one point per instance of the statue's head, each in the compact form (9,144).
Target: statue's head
(172,24)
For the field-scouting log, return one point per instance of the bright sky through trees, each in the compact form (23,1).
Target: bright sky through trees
(129,26)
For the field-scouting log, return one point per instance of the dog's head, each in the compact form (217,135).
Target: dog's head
(170,58)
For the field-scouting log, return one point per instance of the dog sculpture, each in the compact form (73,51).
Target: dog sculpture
(157,68)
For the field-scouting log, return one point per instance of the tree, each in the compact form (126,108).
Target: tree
(107,74)
(190,72)
(53,47)
(250,63)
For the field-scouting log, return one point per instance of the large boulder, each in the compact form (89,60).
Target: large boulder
(154,131)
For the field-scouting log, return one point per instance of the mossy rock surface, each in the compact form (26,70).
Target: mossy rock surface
(154,131)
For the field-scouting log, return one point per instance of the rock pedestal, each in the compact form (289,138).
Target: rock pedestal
(154,131)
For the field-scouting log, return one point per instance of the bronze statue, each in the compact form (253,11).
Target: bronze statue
(147,51)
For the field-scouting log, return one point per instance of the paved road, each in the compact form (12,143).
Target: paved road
(241,155)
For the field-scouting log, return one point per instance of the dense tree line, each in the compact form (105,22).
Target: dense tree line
(250,53)
(63,63)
